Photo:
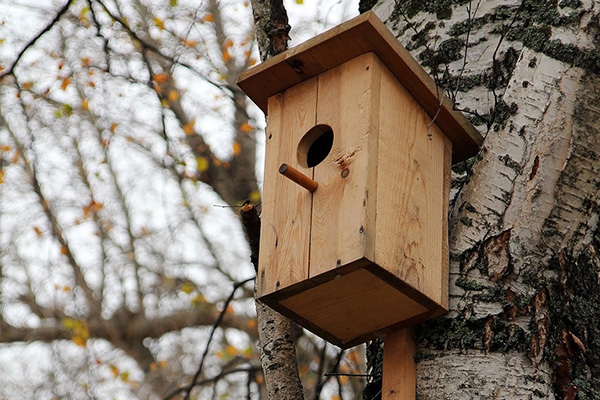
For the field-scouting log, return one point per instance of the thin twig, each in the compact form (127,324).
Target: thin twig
(157,51)
(210,337)
(57,17)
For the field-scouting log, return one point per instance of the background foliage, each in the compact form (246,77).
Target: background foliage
(124,148)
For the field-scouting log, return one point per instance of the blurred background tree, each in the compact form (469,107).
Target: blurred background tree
(125,147)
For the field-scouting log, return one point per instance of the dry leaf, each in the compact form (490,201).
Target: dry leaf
(246,127)
(65,82)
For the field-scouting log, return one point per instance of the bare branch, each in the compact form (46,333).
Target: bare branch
(56,18)
(188,388)
(157,51)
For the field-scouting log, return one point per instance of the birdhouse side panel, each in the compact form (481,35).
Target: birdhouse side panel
(413,163)
(286,217)
(343,218)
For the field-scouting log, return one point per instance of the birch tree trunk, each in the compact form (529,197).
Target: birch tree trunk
(276,332)
(524,236)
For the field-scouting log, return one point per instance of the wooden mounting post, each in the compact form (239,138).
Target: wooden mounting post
(399,368)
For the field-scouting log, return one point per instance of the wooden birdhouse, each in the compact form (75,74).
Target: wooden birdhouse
(354,237)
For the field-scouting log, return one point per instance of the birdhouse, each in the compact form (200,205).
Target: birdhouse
(359,147)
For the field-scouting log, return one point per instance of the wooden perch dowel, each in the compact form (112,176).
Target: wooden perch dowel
(298,177)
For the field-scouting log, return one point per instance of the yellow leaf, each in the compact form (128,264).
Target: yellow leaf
(85,104)
(79,341)
(237,148)
(246,127)
(202,163)
(228,43)
(37,230)
(173,95)
(16,156)
(335,396)
(85,62)
(96,206)
(125,376)
(159,22)
(113,127)
(252,61)
(189,43)
(1,176)
(160,78)
(4,148)
(226,56)
(63,250)
(114,369)
(251,323)
(187,288)
(66,289)
(209,17)
(27,85)
(230,350)
(69,323)
(254,196)
(198,300)
(65,82)
(188,128)
(299,1)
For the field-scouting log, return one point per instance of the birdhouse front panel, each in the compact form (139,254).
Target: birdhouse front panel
(324,105)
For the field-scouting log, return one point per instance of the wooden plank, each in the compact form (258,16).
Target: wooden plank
(399,368)
(410,191)
(337,305)
(341,228)
(285,228)
(363,34)
(445,276)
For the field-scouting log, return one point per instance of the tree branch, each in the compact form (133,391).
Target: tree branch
(56,18)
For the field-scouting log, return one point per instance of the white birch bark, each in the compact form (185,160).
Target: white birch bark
(525,225)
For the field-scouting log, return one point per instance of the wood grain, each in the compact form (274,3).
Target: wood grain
(363,34)
(286,217)
(410,192)
(399,369)
(342,225)
(353,305)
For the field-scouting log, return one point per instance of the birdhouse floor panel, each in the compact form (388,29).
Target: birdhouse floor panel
(353,304)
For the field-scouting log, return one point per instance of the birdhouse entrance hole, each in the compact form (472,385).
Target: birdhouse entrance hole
(315,145)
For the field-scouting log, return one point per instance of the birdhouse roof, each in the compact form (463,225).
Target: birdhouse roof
(363,34)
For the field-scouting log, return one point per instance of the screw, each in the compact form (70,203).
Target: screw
(345,172)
